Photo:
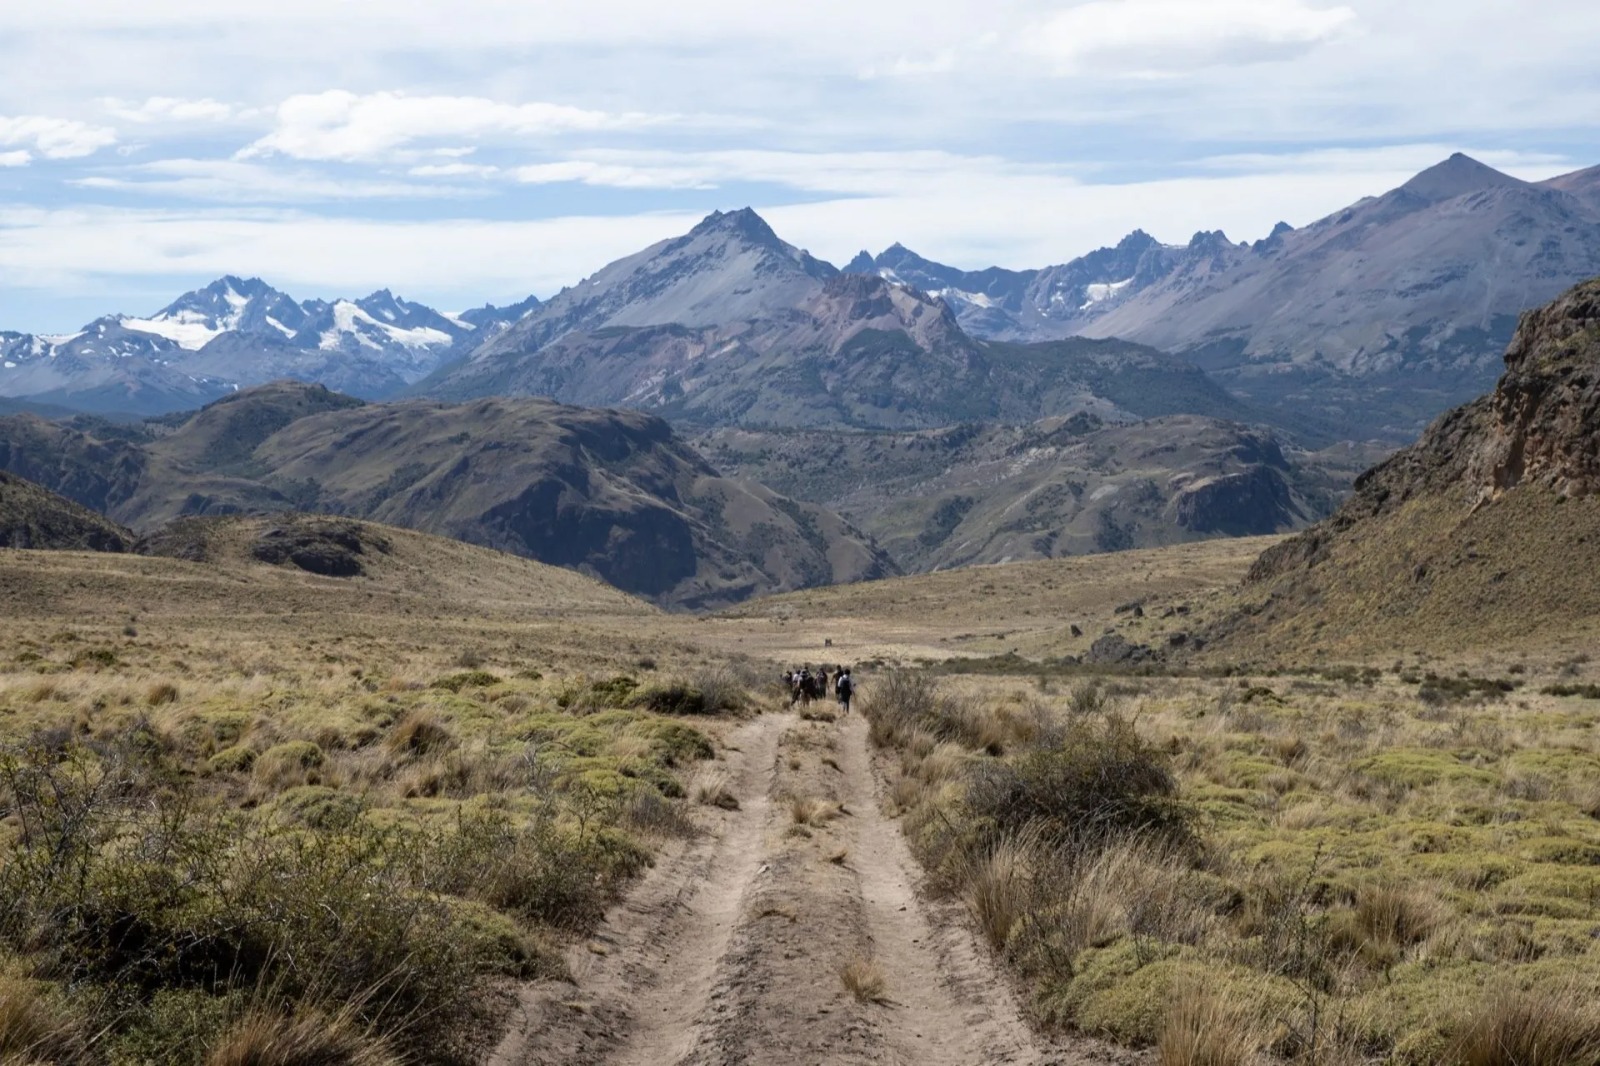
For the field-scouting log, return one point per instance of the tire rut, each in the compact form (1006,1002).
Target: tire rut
(731,950)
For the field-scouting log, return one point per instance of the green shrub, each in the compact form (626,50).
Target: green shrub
(235,760)
(674,697)
(1095,780)
(286,764)
(466,679)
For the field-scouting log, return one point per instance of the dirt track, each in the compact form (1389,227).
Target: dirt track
(730,950)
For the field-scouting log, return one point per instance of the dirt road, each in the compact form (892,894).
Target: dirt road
(731,949)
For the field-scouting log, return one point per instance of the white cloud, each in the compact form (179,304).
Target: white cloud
(349,127)
(447,262)
(453,170)
(1530,166)
(1158,37)
(160,109)
(55,138)
(616,175)
(20,158)
(972,219)
(231,181)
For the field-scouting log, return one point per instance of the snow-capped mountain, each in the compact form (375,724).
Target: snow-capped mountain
(238,332)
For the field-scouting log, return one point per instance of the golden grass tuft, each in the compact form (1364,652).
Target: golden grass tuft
(1527,1028)
(264,1038)
(711,790)
(33,1029)
(419,734)
(161,693)
(999,887)
(864,979)
(812,812)
(1205,1028)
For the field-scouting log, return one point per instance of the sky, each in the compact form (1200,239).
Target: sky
(481,150)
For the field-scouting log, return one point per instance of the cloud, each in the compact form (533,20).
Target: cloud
(163,109)
(55,138)
(19,158)
(1530,166)
(348,127)
(1165,37)
(616,175)
(451,261)
(856,173)
(232,181)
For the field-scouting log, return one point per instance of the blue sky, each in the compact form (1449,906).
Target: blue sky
(480,150)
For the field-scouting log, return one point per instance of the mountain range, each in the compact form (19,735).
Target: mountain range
(792,342)
(1363,324)
(1370,320)
(235,333)
(615,494)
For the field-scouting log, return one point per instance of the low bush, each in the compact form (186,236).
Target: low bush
(466,679)
(1095,780)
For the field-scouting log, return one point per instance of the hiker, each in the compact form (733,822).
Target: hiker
(844,688)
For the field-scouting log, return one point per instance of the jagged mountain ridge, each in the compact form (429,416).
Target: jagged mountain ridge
(614,494)
(235,333)
(730,326)
(1482,533)
(1375,317)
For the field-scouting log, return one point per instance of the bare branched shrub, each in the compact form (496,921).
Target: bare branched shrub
(1097,780)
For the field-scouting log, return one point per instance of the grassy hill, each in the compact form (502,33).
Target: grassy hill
(34,517)
(611,493)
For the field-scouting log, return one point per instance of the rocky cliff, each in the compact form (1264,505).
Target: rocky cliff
(1485,531)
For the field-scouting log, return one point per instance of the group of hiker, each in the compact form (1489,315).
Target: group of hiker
(805,685)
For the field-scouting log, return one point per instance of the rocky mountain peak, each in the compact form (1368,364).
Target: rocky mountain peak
(861,264)
(743,224)
(1456,176)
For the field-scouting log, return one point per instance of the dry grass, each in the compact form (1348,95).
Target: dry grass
(294,749)
(711,789)
(1000,887)
(864,979)
(1203,1027)
(263,1038)
(1559,1027)
(32,1028)
(812,812)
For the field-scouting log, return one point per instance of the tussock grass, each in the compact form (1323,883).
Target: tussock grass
(1203,1027)
(35,1027)
(711,789)
(265,1038)
(864,979)
(1549,1027)
(812,812)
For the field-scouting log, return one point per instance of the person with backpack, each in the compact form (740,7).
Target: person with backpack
(844,688)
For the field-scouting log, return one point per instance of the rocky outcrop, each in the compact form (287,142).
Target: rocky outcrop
(1482,531)
(1543,421)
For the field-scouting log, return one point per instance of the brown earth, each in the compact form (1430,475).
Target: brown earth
(732,949)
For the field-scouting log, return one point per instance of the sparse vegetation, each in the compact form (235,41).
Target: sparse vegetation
(1317,876)
(864,979)
(303,834)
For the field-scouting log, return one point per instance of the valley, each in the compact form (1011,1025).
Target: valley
(386,687)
